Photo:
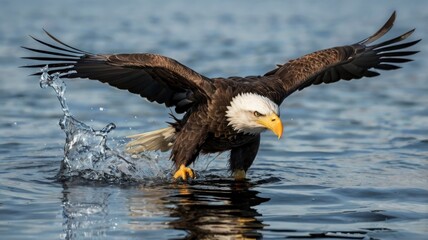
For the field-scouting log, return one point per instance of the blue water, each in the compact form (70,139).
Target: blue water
(353,162)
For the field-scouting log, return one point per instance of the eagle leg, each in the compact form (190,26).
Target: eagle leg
(187,146)
(184,172)
(241,158)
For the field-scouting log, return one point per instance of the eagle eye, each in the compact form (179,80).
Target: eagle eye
(257,114)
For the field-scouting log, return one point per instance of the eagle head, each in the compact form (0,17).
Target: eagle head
(253,113)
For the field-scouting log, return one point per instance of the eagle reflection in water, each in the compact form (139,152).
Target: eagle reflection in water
(212,209)
(207,212)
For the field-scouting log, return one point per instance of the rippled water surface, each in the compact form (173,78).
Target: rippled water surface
(353,163)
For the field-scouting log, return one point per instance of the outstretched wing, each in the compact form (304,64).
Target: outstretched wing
(154,77)
(344,63)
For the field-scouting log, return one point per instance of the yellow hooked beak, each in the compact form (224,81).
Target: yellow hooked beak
(273,123)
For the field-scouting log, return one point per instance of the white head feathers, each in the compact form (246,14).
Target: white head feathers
(244,108)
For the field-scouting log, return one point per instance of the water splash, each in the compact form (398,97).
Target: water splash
(86,153)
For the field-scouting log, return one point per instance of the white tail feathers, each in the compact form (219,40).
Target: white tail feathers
(161,139)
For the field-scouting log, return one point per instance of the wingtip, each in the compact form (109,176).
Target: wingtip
(411,31)
(407,34)
(27,48)
(34,38)
(391,19)
(393,15)
(414,42)
(47,33)
(382,31)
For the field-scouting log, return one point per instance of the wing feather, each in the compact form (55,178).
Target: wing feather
(346,62)
(155,77)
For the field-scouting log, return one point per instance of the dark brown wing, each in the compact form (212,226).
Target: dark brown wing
(154,77)
(344,63)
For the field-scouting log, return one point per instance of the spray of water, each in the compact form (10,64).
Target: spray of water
(86,153)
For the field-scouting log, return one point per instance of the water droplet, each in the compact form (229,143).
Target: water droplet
(86,153)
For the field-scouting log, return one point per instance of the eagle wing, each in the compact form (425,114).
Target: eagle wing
(344,63)
(155,77)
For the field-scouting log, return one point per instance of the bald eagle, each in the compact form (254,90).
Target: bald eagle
(220,114)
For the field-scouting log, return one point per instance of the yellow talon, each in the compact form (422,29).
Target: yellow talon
(183,172)
(239,175)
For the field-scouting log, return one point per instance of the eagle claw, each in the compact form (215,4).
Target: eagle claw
(239,175)
(184,172)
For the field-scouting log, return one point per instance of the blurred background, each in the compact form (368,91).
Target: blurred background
(353,158)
